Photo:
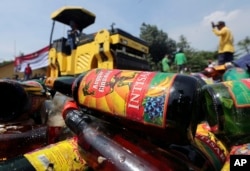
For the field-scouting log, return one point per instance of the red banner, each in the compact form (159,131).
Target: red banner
(38,59)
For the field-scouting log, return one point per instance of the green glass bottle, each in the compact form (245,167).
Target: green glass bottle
(235,73)
(227,109)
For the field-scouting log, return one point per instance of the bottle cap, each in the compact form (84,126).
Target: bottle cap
(69,105)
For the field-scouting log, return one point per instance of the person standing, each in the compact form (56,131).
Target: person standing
(226,47)
(27,72)
(73,35)
(165,63)
(180,60)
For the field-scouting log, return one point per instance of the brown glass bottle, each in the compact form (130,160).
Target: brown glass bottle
(63,155)
(108,147)
(13,100)
(20,99)
(162,105)
(18,139)
(217,71)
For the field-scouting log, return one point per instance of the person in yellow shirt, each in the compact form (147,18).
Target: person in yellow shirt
(226,46)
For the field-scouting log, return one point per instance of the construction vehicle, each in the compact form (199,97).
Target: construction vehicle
(107,48)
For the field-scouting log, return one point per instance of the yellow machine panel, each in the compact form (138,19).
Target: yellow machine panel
(114,48)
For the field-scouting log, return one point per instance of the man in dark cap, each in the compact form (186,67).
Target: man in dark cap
(226,47)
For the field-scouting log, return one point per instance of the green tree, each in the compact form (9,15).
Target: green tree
(183,43)
(160,45)
(159,42)
(196,60)
(244,45)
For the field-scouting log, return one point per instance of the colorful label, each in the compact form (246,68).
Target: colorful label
(239,91)
(141,96)
(64,154)
(235,74)
(33,87)
(212,147)
(243,149)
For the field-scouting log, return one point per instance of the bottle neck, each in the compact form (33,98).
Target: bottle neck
(76,86)
(183,104)
(212,107)
(108,140)
(61,84)
(76,121)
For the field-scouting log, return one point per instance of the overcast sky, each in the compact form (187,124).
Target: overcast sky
(26,24)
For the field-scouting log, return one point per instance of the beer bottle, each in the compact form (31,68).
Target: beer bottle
(235,73)
(17,139)
(108,147)
(214,149)
(20,100)
(217,71)
(227,109)
(13,100)
(241,150)
(63,155)
(152,103)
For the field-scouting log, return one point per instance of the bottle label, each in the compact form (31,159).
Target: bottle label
(33,87)
(235,74)
(64,154)
(210,145)
(238,150)
(141,96)
(240,93)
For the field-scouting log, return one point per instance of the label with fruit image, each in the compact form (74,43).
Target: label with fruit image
(141,96)
(239,92)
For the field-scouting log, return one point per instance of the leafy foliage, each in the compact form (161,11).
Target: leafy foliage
(244,45)
(159,42)
(160,45)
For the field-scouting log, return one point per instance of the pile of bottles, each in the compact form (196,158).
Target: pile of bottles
(128,120)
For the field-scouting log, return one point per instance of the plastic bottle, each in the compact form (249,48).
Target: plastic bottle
(51,111)
(20,100)
(63,155)
(18,139)
(227,109)
(152,103)
(108,147)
